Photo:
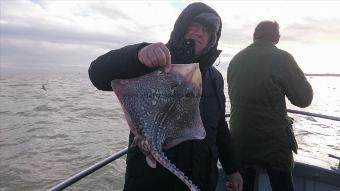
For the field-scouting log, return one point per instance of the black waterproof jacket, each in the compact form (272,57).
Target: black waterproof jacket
(196,158)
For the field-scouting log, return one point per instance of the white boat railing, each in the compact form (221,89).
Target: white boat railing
(75,178)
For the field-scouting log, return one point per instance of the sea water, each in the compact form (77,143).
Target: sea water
(55,124)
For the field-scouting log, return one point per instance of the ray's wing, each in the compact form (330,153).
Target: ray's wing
(164,107)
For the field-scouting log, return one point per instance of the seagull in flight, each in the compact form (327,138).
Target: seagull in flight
(43,87)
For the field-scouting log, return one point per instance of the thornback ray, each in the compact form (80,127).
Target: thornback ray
(162,111)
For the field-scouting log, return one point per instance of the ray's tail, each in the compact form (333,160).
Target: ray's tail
(164,161)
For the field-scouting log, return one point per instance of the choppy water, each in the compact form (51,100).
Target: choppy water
(47,136)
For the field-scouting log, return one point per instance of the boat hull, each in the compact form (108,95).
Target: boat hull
(306,178)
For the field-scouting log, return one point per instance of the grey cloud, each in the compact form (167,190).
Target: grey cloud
(237,36)
(36,54)
(44,42)
(311,29)
(108,12)
(62,35)
(114,15)
(305,32)
(41,41)
(27,45)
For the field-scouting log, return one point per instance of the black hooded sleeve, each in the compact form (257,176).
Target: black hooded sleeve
(121,63)
(226,151)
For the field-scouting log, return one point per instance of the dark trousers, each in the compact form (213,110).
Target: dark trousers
(279,180)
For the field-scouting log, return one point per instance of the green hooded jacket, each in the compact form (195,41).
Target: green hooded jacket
(259,78)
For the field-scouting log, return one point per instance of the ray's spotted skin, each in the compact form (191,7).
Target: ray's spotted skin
(162,110)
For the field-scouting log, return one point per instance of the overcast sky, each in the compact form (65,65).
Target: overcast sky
(56,34)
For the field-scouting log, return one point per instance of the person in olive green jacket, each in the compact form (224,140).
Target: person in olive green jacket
(259,78)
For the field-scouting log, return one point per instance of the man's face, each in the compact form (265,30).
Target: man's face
(199,34)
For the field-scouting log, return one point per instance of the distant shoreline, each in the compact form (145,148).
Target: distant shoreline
(330,75)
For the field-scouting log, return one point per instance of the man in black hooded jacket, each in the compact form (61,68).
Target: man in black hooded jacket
(194,39)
